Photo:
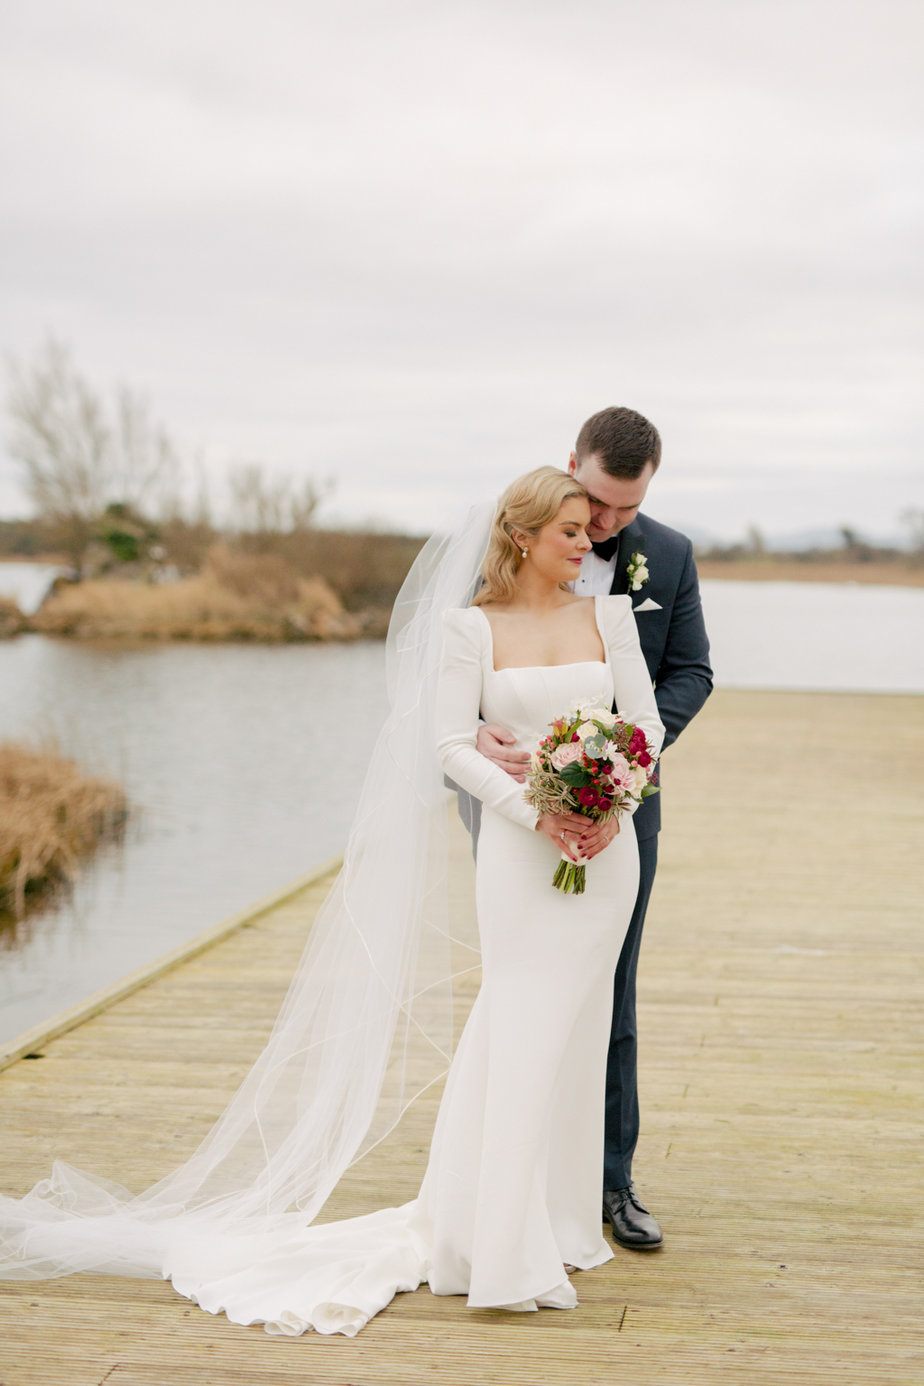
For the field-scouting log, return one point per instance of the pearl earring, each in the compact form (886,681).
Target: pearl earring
(525,552)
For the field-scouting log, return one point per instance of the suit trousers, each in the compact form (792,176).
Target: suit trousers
(622,1112)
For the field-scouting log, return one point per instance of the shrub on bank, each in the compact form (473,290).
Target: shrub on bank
(51,814)
(237,596)
(12,621)
(364,569)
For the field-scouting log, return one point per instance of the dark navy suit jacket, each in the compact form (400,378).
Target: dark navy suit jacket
(672,634)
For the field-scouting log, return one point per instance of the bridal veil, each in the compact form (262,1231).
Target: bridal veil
(367,1022)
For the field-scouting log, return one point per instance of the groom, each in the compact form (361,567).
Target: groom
(616,455)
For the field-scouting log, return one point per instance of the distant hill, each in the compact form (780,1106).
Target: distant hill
(797,541)
(827,540)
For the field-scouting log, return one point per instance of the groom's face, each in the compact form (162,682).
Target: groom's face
(614,501)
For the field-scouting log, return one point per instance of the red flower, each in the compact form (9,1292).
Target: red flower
(644,759)
(588,796)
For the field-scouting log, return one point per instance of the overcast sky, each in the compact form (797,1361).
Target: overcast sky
(411,244)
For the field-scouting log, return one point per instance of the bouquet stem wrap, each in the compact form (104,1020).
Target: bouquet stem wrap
(571,876)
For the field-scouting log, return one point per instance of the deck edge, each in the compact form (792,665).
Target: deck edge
(31,1040)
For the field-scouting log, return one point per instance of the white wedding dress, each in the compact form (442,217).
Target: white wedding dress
(511,1193)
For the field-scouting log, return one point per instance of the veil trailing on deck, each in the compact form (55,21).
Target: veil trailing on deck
(367,1022)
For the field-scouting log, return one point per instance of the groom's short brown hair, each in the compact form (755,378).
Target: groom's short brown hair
(623,440)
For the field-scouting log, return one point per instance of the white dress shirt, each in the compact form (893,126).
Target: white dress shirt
(596,576)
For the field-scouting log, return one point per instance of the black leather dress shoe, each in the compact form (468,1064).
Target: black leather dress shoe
(633,1226)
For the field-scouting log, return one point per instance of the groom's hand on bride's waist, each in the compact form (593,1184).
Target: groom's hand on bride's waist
(499,745)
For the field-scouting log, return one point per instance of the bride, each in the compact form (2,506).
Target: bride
(484,626)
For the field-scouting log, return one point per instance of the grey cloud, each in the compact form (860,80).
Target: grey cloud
(415,245)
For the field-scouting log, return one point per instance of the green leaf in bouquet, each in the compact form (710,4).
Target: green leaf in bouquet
(575,775)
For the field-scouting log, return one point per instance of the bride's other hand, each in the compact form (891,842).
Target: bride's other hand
(564,829)
(596,836)
(497,743)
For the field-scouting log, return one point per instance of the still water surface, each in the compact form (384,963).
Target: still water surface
(244,763)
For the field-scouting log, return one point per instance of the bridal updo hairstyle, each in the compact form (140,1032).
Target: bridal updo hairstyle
(528,504)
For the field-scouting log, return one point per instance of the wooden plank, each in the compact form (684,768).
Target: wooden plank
(782,1077)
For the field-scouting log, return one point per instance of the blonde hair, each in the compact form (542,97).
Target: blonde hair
(528,504)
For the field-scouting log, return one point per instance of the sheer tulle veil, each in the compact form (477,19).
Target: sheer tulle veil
(367,1022)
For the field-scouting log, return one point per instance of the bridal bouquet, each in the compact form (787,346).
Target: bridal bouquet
(594,763)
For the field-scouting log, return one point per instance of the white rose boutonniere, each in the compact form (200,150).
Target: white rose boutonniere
(637,572)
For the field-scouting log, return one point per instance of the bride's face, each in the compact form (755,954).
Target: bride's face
(557,550)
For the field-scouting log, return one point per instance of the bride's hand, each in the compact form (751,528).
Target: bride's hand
(565,830)
(597,836)
(498,744)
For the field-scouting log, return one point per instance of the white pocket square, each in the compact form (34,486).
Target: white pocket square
(648,605)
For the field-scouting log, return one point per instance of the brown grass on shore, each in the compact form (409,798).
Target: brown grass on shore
(269,597)
(237,596)
(12,621)
(901,573)
(51,814)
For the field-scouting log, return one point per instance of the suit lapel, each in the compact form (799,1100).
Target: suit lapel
(631,539)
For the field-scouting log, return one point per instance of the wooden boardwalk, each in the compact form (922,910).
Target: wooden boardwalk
(782,1077)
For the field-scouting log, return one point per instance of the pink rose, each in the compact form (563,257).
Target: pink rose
(621,772)
(564,755)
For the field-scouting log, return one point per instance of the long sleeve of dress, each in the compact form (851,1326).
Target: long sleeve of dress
(458,702)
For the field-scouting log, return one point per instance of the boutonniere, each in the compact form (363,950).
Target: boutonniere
(637,572)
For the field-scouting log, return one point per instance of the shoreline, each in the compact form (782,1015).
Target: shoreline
(824,570)
(902,572)
(206,610)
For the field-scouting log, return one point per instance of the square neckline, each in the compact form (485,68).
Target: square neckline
(568,664)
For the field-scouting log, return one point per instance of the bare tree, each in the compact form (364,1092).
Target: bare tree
(757,544)
(913,520)
(265,507)
(145,463)
(77,457)
(62,440)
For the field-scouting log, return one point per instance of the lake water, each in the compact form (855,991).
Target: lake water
(227,755)
(26,583)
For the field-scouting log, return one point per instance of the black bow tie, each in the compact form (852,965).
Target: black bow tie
(606,548)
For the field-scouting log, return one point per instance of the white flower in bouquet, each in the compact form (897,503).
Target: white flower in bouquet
(640,778)
(593,712)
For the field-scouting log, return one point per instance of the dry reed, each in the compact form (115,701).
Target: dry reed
(51,814)
(237,596)
(12,621)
